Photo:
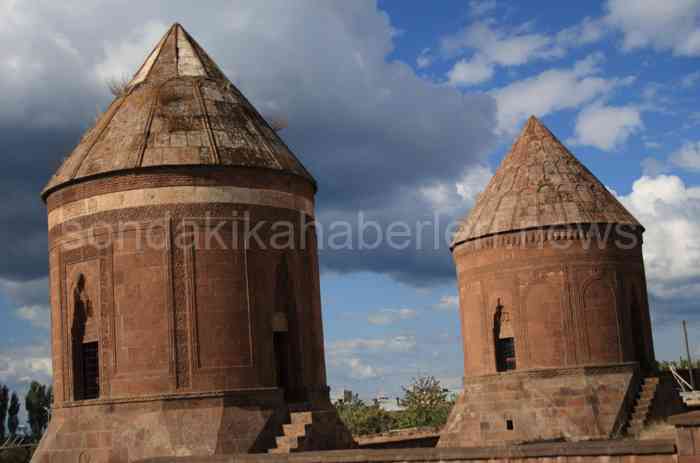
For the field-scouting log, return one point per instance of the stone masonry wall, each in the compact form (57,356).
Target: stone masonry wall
(550,404)
(583,452)
(565,296)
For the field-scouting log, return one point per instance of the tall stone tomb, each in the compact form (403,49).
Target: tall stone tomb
(180,324)
(553,303)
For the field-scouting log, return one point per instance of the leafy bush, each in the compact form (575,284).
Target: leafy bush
(681,364)
(361,418)
(425,403)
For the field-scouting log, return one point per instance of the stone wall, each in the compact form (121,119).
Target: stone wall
(567,403)
(400,439)
(566,297)
(120,431)
(207,327)
(583,452)
(180,303)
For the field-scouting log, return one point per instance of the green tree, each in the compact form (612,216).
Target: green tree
(13,415)
(38,406)
(4,403)
(425,403)
(681,364)
(361,418)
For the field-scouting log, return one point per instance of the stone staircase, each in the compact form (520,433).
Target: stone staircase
(642,406)
(313,430)
(294,434)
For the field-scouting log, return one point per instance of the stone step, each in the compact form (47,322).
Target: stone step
(643,410)
(295,429)
(636,423)
(644,402)
(643,405)
(287,442)
(302,417)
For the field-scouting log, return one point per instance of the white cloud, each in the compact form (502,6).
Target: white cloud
(552,90)
(473,183)
(389,316)
(37,315)
(455,198)
(588,31)
(670,211)
(500,46)
(123,57)
(492,47)
(21,293)
(351,105)
(448,303)
(425,59)
(392,344)
(688,156)
(359,369)
(691,79)
(469,72)
(482,7)
(25,364)
(663,25)
(606,127)
(352,358)
(29,300)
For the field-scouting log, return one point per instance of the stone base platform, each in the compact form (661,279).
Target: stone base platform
(581,403)
(122,431)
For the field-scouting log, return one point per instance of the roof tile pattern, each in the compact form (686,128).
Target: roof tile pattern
(179,109)
(539,184)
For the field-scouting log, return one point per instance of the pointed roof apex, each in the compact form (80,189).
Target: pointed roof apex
(178,110)
(176,54)
(540,184)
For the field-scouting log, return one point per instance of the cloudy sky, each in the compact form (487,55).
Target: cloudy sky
(402,110)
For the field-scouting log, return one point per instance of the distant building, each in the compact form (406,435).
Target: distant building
(553,304)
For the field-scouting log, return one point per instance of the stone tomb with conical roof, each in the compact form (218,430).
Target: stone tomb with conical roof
(175,331)
(553,303)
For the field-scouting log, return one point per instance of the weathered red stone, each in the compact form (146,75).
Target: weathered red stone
(173,331)
(553,302)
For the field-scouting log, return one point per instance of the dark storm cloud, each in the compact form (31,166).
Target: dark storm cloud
(371,131)
(30,156)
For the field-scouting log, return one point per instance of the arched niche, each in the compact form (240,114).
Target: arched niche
(544,325)
(600,316)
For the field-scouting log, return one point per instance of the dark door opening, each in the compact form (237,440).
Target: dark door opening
(505,354)
(282,361)
(91,371)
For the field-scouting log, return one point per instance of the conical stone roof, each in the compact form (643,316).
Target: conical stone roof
(540,184)
(178,110)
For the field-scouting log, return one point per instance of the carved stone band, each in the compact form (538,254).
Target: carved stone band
(178,195)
